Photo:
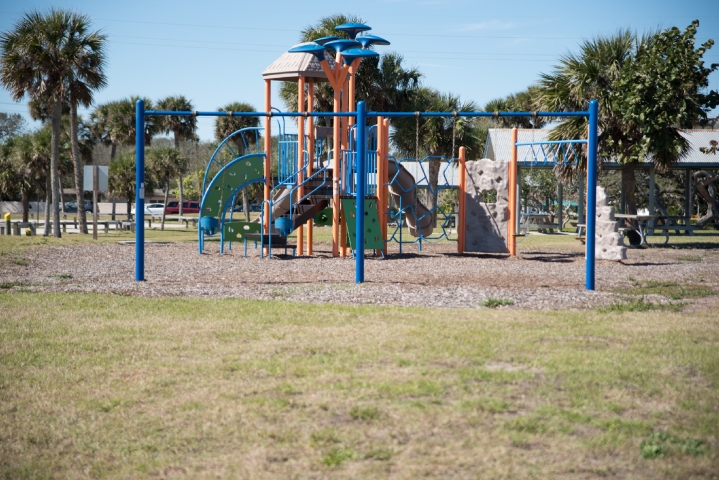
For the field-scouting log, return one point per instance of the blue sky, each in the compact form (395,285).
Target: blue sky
(213,52)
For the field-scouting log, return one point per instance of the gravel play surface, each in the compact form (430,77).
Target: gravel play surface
(436,277)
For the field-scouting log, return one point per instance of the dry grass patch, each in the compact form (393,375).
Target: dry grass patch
(118,387)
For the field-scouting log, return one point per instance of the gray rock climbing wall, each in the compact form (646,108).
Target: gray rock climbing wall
(609,242)
(486,223)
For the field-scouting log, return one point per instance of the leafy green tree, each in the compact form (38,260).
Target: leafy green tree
(166,163)
(660,91)
(182,127)
(52,56)
(192,186)
(225,126)
(11,124)
(647,88)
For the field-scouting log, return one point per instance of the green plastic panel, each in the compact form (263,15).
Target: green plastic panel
(236,231)
(324,217)
(372,233)
(225,183)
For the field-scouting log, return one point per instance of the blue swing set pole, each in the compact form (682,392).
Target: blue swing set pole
(361,179)
(591,193)
(140,191)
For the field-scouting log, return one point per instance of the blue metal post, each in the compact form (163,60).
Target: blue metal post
(361,177)
(591,192)
(140,191)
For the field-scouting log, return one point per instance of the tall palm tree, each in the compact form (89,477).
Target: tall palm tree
(593,73)
(433,135)
(225,126)
(524,101)
(165,164)
(182,127)
(48,56)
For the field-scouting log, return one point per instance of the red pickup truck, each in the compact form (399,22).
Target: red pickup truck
(187,207)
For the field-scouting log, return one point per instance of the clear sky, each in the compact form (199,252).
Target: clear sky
(213,51)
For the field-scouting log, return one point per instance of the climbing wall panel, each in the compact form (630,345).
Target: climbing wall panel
(372,232)
(242,170)
(236,231)
(486,223)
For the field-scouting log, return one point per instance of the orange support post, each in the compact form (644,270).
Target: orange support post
(268,154)
(300,156)
(461,224)
(381,179)
(345,146)
(311,149)
(336,177)
(512,225)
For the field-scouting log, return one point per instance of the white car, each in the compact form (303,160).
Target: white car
(152,209)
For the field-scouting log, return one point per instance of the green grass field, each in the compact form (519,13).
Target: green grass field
(96,386)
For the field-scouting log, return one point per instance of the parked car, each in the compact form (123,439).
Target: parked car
(187,207)
(152,209)
(71,207)
(255,207)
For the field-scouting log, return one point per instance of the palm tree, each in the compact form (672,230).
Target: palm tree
(121,178)
(52,56)
(165,164)
(524,101)
(593,73)
(433,135)
(182,127)
(225,126)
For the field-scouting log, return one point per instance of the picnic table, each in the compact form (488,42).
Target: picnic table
(642,222)
(541,221)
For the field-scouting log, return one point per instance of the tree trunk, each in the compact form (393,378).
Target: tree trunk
(78,167)
(54,160)
(113,207)
(25,200)
(129,209)
(179,187)
(245,204)
(48,202)
(629,184)
(167,194)
(179,184)
(705,189)
(113,150)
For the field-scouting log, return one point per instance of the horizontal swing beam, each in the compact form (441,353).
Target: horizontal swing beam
(551,142)
(188,113)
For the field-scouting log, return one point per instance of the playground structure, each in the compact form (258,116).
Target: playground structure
(312,177)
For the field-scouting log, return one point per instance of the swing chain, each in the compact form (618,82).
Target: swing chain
(454,125)
(416,136)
